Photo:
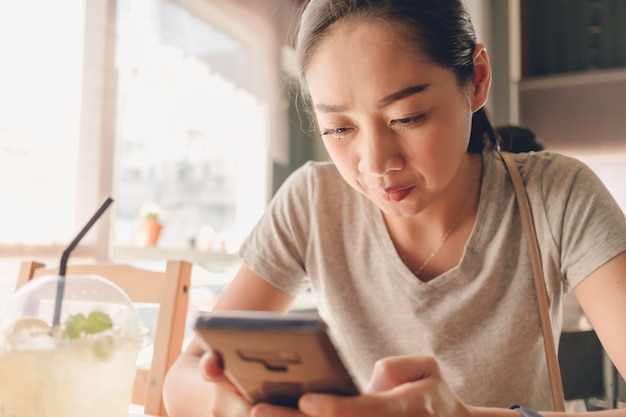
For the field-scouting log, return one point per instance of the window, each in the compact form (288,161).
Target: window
(50,125)
(141,100)
(192,133)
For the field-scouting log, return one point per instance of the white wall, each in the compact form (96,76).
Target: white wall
(497,25)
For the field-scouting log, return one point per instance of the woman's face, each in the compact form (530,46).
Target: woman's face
(396,126)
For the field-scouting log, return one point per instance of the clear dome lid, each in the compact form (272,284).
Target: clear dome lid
(88,301)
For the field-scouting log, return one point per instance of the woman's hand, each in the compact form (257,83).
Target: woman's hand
(227,400)
(400,386)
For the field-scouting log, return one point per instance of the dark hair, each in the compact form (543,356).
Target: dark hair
(442,29)
(516,139)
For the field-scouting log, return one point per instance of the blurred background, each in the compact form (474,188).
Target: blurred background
(186,112)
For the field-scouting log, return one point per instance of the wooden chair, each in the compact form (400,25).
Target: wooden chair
(169,290)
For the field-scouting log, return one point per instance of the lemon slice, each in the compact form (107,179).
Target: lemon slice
(31,325)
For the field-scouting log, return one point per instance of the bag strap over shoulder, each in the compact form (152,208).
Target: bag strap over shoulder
(540,284)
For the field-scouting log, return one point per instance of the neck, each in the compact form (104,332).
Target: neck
(459,199)
(444,224)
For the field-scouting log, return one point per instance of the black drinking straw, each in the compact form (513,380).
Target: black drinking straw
(66,254)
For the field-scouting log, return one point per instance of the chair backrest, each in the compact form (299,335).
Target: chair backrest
(168,289)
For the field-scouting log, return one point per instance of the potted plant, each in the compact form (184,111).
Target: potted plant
(149,227)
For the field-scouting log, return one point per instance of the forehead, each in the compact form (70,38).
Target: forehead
(358,57)
(360,31)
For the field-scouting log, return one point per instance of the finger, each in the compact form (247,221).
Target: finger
(227,401)
(211,366)
(397,370)
(373,405)
(266,409)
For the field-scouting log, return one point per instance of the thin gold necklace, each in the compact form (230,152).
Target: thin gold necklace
(450,229)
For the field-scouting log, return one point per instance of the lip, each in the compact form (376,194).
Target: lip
(395,193)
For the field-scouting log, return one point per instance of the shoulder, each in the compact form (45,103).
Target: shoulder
(313,178)
(561,176)
(533,163)
(313,172)
(550,172)
(550,162)
(315,187)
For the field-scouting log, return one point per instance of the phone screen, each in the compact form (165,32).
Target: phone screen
(274,358)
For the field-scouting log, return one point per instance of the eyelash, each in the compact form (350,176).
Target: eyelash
(338,133)
(407,121)
(342,132)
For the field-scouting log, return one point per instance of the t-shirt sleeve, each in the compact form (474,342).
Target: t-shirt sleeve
(276,247)
(592,228)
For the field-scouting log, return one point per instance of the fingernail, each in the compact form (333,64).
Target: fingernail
(261,410)
(308,403)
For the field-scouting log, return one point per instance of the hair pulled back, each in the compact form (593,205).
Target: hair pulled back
(442,29)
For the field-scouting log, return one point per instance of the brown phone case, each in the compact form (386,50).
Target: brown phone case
(275,358)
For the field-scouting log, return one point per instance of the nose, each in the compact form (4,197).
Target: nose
(379,153)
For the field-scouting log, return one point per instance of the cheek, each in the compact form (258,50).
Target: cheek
(454,127)
(344,159)
(338,152)
(440,147)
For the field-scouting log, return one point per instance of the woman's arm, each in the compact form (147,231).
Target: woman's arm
(602,296)
(408,386)
(411,385)
(186,392)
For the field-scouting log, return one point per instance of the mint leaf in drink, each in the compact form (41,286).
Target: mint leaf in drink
(98,322)
(75,326)
(78,325)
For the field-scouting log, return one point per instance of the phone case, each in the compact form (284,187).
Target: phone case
(274,358)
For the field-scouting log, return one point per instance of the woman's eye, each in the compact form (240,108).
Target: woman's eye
(337,133)
(408,121)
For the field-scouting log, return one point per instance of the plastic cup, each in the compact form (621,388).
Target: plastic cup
(76,369)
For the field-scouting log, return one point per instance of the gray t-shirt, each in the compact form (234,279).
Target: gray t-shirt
(480,318)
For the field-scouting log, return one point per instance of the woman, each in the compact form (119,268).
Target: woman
(411,239)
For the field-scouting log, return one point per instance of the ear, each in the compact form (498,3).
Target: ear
(482,77)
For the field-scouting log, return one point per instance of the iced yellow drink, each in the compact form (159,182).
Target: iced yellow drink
(84,368)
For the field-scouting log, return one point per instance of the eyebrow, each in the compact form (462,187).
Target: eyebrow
(399,95)
(385,101)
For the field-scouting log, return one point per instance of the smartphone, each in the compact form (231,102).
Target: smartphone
(274,358)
